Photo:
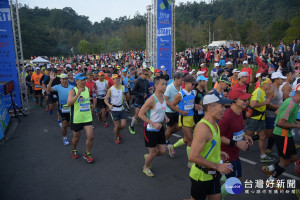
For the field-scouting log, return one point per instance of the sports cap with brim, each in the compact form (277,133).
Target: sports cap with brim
(156,71)
(265,80)
(37,68)
(258,75)
(242,74)
(80,76)
(201,78)
(212,98)
(190,79)
(229,63)
(63,75)
(236,71)
(277,75)
(224,78)
(115,76)
(101,73)
(238,93)
(216,64)
(124,70)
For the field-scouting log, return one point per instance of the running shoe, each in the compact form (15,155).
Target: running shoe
(150,165)
(131,130)
(189,165)
(59,123)
(106,124)
(120,136)
(148,173)
(266,170)
(171,150)
(267,159)
(88,157)
(117,140)
(272,154)
(66,141)
(75,154)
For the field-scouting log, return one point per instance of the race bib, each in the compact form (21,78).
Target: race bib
(188,107)
(84,107)
(38,86)
(54,96)
(66,110)
(238,136)
(151,128)
(200,112)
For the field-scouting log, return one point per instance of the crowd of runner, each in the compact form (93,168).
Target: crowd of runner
(217,120)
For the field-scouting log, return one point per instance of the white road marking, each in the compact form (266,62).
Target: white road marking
(248,161)
(176,135)
(291,176)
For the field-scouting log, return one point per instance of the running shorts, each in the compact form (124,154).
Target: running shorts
(64,116)
(79,127)
(187,121)
(200,189)
(173,117)
(290,149)
(152,138)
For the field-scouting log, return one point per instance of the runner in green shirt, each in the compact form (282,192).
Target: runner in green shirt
(206,151)
(285,121)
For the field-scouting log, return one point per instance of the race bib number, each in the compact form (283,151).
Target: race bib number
(84,107)
(38,86)
(238,136)
(66,110)
(188,107)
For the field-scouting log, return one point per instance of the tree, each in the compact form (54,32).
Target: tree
(84,47)
(293,31)
(277,31)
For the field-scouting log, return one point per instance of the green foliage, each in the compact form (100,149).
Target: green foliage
(59,32)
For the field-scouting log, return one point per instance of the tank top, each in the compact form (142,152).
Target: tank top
(276,101)
(157,114)
(211,152)
(81,109)
(280,89)
(101,86)
(116,98)
(187,102)
(234,82)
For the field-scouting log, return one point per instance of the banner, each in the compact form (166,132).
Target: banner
(4,117)
(8,67)
(164,34)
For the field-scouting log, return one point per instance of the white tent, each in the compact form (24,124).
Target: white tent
(40,60)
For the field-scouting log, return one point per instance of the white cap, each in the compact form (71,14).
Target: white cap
(242,74)
(257,75)
(200,73)
(245,62)
(161,67)
(229,63)
(63,75)
(216,64)
(277,75)
(212,98)
(236,71)
(102,66)
(37,68)
(202,64)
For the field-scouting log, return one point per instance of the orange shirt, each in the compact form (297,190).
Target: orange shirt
(36,79)
(234,82)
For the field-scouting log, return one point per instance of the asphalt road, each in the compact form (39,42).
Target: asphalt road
(34,164)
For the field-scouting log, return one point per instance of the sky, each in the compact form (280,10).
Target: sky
(97,10)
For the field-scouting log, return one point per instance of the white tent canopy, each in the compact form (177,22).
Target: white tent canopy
(40,60)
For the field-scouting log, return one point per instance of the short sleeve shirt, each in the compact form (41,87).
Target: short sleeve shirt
(171,92)
(259,95)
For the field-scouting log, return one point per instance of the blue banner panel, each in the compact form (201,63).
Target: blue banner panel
(8,68)
(164,34)
(4,117)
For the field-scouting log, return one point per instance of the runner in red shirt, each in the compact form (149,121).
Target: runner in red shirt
(242,76)
(204,69)
(233,137)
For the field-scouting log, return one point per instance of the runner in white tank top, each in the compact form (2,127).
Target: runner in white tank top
(102,86)
(153,114)
(117,97)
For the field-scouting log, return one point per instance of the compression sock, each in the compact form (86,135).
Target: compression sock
(270,143)
(188,150)
(133,122)
(179,143)
(278,170)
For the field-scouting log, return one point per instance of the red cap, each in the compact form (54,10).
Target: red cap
(238,93)
(156,70)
